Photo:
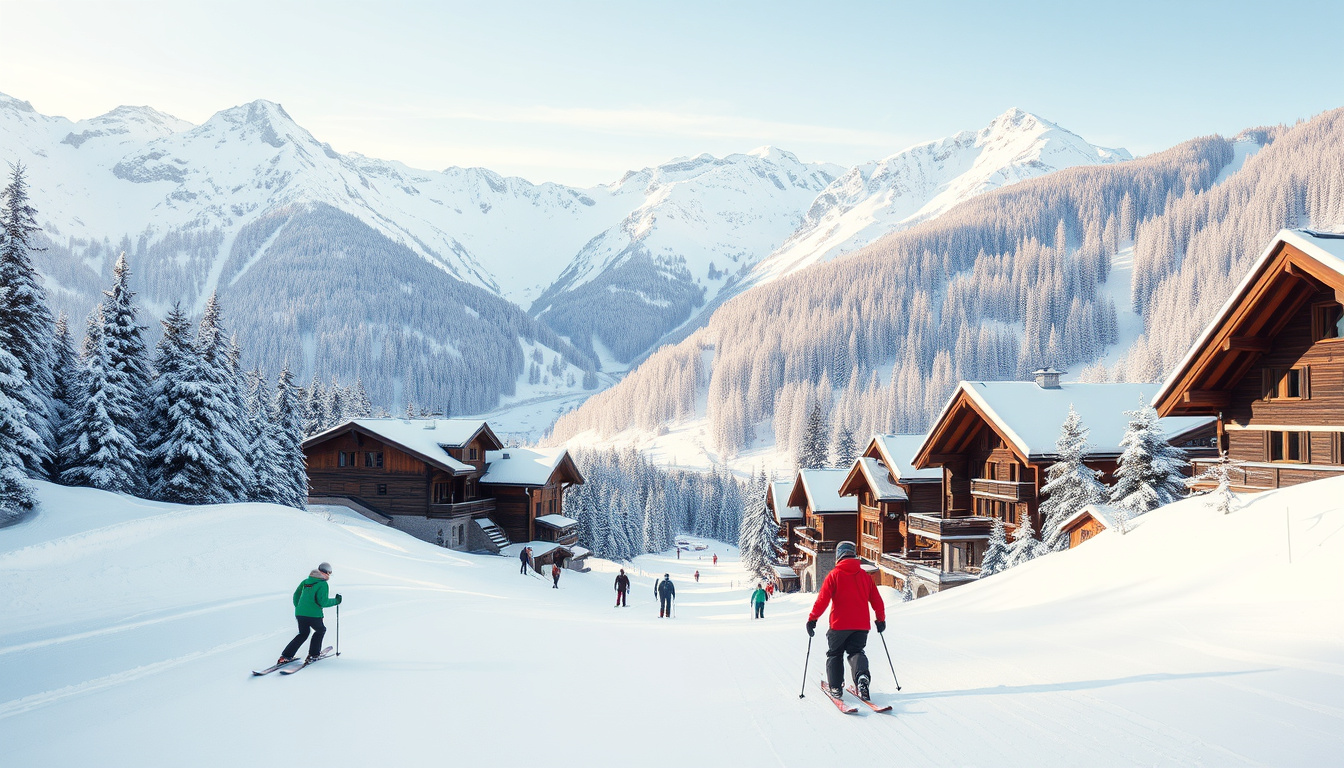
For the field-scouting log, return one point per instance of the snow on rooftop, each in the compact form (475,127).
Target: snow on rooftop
(899,450)
(557,521)
(1102,513)
(524,466)
(822,487)
(785,572)
(880,480)
(1031,416)
(426,437)
(779,494)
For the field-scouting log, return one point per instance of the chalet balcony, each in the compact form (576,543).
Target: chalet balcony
(943,527)
(474,507)
(1003,490)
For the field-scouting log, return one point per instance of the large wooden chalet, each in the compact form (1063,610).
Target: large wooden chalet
(994,441)
(828,519)
(1270,366)
(899,513)
(450,481)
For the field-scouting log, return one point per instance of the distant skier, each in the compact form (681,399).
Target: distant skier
(555,575)
(770,588)
(526,560)
(716,559)
(309,599)
(758,599)
(665,592)
(622,586)
(849,591)
(697,577)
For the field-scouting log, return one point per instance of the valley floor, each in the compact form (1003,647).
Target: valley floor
(130,627)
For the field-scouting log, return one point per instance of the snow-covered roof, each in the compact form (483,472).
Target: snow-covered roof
(557,521)
(898,451)
(1102,513)
(880,481)
(579,552)
(539,548)
(1030,416)
(524,466)
(822,487)
(785,572)
(779,496)
(426,438)
(1327,249)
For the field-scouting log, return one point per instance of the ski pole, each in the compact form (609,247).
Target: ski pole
(893,666)
(806,659)
(338,630)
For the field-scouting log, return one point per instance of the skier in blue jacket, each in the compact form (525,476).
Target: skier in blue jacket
(665,593)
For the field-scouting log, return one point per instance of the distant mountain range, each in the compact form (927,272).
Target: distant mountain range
(249,202)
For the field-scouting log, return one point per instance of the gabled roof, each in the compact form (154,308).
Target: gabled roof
(872,473)
(779,501)
(426,439)
(819,489)
(1029,417)
(898,453)
(1106,515)
(531,467)
(1272,290)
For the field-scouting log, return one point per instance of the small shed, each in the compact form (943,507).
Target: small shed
(1088,522)
(786,579)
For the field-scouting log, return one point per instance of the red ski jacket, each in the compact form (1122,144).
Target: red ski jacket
(849,591)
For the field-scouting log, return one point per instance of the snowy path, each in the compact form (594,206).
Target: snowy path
(130,628)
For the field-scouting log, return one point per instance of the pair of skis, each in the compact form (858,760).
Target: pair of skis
(288,669)
(850,709)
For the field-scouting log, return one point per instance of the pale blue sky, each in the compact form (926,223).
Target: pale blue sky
(580,92)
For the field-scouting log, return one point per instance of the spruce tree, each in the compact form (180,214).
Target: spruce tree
(261,454)
(760,533)
(358,405)
(1070,484)
(335,405)
(315,418)
(221,402)
(174,359)
(1220,473)
(16,493)
(66,395)
(185,452)
(286,422)
(812,453)
(102,449)
(1025,545)
(845,450)
(995,558)
(26,317)
(124,338)
(1150,472)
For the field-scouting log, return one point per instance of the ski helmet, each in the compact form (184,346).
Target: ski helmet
(844,549)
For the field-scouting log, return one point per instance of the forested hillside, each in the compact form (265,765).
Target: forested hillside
(996,287)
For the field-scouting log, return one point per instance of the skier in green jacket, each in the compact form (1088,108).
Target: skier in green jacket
(758,599)
(309,599)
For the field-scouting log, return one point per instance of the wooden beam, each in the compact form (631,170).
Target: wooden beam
(1245,344)
(1212,398)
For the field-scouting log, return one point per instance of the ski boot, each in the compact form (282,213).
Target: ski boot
(862,687)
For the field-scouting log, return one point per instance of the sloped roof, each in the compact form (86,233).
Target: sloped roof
(820,490)
(1030,416)
(559,522)
(1324,254)
(898,453)
(1102,513)
(779,497)
(880,481)
(526,466)
(424,438)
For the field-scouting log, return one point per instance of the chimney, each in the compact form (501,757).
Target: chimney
(1047,378)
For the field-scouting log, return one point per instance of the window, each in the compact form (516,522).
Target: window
(373,459)
(1286,446)
(345,459)
(382,489)
(991,471)
(443,493)
(538,507)
(1327,321)
(473,454)
(550,506)
(1287,383)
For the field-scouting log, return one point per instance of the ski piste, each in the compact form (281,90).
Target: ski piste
(269,670)
(871,705)
(325,653)
(848,709)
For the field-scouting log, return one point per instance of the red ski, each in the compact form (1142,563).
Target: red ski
(871,705)
(840,705)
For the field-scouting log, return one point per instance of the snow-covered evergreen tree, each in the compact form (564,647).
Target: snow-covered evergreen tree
(358,405)
(1070,484)
(257,430)
(907,590)
(760,532)
(1150,472)
(1221,473)
(123,337)
(102,448)
(221,402)
(315,414)
(27,320)
(845,448)
(286,422)
(335,405)
(812,452)
(66,395)
(16,494)
(1025,546)
(174,359)
(995,558)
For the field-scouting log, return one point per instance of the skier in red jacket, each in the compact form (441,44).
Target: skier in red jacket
(849,591)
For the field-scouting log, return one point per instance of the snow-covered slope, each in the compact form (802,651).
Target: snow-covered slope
(130,628)
(919,183)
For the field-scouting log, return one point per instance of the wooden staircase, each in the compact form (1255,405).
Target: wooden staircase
(496,534)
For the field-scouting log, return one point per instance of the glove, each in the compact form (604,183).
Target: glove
(881,626)
(811,628)
(338,598)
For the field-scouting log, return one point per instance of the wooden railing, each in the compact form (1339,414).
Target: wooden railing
(1003,489)
(950,526)
(475,507)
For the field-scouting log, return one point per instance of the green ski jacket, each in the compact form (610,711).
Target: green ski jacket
(311,597)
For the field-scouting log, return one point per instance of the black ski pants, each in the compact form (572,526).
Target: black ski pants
(845,642)
(664,606)
(620,598)
(307,624)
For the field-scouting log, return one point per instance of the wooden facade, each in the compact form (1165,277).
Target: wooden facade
(1271,367)
(826,522)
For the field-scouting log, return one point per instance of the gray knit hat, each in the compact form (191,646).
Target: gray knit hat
(326,567)
(844,549)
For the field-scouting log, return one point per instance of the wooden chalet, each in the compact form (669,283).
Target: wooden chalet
(1270,366)
(994,441)
(828,519)
(898,504)
(450,481)
(788,518)
(1088,522)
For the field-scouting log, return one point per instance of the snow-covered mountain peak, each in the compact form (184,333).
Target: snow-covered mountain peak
(12,104)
